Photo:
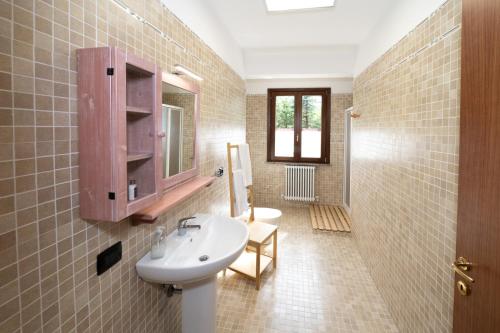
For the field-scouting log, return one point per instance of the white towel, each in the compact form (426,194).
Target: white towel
(240,193)
(244,163)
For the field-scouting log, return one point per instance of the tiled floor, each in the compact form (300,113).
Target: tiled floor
(321,285)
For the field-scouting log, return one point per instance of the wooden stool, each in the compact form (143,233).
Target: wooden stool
(253,264)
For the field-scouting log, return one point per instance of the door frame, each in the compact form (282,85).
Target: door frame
(347,161)
(168,109)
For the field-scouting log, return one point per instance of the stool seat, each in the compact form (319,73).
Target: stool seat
(260,232)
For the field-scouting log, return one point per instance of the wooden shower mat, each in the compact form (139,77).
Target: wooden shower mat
(329,218)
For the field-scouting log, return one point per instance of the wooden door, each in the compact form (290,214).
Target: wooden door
(478,231)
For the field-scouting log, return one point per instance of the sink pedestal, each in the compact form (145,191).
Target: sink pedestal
(199,306)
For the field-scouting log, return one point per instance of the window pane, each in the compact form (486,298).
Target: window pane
(285,115)
(311,126)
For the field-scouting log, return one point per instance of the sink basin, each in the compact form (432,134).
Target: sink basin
(192,261)
(198,254)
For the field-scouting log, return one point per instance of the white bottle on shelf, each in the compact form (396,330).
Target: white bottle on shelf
(132,190)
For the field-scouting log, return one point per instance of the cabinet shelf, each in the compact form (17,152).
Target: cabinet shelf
(171,199)
(140,111)
(139,156)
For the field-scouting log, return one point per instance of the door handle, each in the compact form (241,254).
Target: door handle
(462,265)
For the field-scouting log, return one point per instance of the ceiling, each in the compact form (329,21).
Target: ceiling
(348,23)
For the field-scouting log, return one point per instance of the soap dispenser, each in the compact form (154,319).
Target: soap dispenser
(158,243)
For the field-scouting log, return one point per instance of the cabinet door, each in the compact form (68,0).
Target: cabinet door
(95,82)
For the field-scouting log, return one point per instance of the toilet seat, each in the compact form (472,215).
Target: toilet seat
(263,214)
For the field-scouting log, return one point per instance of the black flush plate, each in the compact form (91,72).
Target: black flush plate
(107,258)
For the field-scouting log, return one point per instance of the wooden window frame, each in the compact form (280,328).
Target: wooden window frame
(325,124)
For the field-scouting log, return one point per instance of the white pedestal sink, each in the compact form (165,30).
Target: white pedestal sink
(192,261)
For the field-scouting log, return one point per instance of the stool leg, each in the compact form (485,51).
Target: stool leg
(257,267)
(275,248)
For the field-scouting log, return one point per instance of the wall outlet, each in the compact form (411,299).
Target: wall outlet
(109,257)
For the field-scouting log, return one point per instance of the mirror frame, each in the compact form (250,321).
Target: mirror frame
(172,181)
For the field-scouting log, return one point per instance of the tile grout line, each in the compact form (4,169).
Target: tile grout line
(14,167)
(54,184)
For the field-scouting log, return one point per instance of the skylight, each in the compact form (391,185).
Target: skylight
(284,5)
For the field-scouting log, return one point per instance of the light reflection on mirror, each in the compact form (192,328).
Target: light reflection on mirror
(178,107)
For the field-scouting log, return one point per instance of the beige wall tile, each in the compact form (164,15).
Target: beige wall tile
(9,309)
(24,118)
(5,81)
(6,205)
(5,45)
(6,153)
(23,84)
(25,216)
(6,169)
(5,98)
(5,10)
(6,134)
(23,101)
(25,183)
(5,63)
(7,240)
(6,187)
(8,291)
(6,117)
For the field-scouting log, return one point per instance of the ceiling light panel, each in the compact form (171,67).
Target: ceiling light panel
(284,5)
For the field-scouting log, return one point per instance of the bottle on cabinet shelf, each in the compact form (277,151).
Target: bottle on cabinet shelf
(132,190)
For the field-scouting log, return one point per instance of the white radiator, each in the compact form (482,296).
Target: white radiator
(299,183)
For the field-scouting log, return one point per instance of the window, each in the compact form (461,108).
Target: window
(284,5)
(299,125)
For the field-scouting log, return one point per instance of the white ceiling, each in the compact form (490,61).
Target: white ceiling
(336,43)
(348,23)
(300,62)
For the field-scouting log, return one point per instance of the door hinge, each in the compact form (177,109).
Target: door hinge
(110,71)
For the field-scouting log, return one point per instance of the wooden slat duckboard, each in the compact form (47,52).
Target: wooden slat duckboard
(329,218)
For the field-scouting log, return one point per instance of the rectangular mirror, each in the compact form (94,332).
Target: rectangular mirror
(179,118)
(178,124)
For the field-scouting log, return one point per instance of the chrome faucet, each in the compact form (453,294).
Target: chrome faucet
(182,225)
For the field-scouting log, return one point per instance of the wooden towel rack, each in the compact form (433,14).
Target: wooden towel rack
(260,233)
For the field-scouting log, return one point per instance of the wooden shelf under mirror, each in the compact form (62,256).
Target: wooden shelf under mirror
(171,198)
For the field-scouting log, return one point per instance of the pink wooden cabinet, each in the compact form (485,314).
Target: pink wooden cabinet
(119,100)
